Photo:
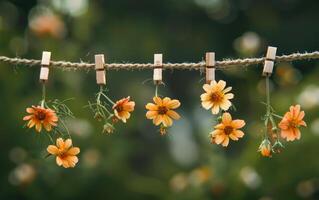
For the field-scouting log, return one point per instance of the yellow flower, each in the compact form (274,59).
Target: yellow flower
(216,96)
(228,128)
(122,108)
(41,116)
(64,152)
(163,111)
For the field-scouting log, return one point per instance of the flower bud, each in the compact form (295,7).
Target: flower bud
(265,148)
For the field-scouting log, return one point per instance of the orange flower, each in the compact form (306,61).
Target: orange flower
(265,148)
(291,122)
(228,128)
(64,152)
(163,111)
(41,116)
(47,24)
(216,96)
(122,108)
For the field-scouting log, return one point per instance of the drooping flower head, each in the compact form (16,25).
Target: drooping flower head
(265,148)
(291,122)
(122,108)
(162,112)
(64,152)
(216,96)
(39,116)
(228,128)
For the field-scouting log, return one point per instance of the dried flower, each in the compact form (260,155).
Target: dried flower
(64,152)
(122,108)
(228,128)
(291,122)
(163,111)
(163,130)
(108,128)
(41,116)
(216,96)
(277,147)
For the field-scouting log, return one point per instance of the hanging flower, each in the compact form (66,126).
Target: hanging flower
(228,128)
(122,108)
(291,122)
(265,148)
(216,96)
(41,116)
(162,112)
(64,152)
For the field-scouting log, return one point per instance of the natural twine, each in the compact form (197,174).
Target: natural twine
(181,66)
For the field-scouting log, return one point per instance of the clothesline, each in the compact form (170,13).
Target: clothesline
(225,63)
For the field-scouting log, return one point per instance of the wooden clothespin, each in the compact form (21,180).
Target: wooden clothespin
(158,68)
(99,68)
(269,62)
(210,67)
(45,63)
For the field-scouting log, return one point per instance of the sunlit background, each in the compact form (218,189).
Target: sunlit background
(136,162)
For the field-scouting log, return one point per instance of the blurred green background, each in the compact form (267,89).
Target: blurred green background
(136,162)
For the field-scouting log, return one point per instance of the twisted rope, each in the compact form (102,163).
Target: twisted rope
(181,66)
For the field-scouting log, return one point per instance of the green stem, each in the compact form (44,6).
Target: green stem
(268,113)
(156,90)
(66,129)
(278,116)
(48,134)
(43,95)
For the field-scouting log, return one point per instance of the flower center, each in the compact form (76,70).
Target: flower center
(119,108)
(216,97)
(293,124)
(162,110)
(41,115)
(228,130)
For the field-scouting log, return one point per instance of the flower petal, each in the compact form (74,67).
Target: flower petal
(221,85)
(60,143)
(151,114)
(52,149)
(67,143)
(74,151)
(173,104)
(151,106)
(59,161)
(207,104)
(158,101)
(167,121)
(225,105)
(225,142)
(157,120)
(219,138)
(226,118)
(239,133)
(238,123)
(215,109)
(173,114)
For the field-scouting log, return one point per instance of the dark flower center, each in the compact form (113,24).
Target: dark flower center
(228,130)
(41,115)
(119,108)
(162,110)
(216,97)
